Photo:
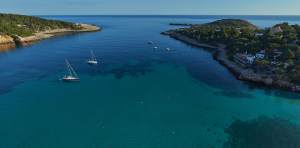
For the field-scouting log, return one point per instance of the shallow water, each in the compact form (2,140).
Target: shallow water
(136,96)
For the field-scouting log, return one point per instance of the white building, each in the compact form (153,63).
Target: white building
(244,57)
(250,58)
(260,54)
(258,34)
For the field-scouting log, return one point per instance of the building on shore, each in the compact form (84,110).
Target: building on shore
(244,57)
(275,29)
(260,54)
(258,34)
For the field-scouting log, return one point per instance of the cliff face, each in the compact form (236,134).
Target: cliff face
(6,39)
(36,37)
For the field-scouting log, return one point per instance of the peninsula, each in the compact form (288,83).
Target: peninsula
(270,56)
(234,23)
(16,28)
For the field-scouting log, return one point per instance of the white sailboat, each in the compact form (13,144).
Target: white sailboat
(94,60)
(70,77)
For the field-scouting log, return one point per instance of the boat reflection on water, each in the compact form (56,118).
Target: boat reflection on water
(12,46)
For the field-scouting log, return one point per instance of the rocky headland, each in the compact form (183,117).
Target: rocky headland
(235,23)
(237,68)
(42,35)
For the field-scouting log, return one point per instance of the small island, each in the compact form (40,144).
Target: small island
(270,55)
(15,28)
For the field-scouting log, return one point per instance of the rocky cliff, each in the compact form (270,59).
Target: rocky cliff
(45,34)
(6,39)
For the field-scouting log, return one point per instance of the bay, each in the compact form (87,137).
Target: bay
(136,96)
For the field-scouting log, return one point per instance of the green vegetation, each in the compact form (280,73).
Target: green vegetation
(263,62)
(245,40)
(280,71)
(22,25)
(234,23)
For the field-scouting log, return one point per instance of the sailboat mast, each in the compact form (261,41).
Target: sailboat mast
(68,66)
(91,52)
(73,71)
(93,56)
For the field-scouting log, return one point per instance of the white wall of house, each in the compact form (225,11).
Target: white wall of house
(258,34)
(251,59)
(258,55)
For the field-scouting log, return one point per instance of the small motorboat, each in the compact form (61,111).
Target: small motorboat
(168,48)
(150,42)
(155,47)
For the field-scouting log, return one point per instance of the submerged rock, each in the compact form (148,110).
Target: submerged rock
(263,132)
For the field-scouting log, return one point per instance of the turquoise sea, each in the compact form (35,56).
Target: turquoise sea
(137,96)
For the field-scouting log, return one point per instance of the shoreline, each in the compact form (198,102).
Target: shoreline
(236,68)
(46,35)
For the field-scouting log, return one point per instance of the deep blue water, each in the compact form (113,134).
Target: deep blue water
(136,96)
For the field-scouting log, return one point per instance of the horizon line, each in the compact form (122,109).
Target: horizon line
(156,14)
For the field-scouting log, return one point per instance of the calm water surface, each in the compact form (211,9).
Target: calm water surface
(136,96)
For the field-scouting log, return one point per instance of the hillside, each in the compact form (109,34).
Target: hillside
(24,26)
(16,28)
(234,23)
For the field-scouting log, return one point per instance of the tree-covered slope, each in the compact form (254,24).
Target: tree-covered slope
(22,25)
(234,23)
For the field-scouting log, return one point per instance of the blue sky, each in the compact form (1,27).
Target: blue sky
(151,7)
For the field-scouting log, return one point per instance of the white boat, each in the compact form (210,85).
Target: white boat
(94,60)
(150,42)
(155,47)
(168,48)
(70,77)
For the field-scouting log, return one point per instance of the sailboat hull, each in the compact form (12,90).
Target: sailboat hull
(69,78)
(91,62)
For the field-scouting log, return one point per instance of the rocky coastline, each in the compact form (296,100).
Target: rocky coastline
(173,34)
(237,68)
(45,34)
